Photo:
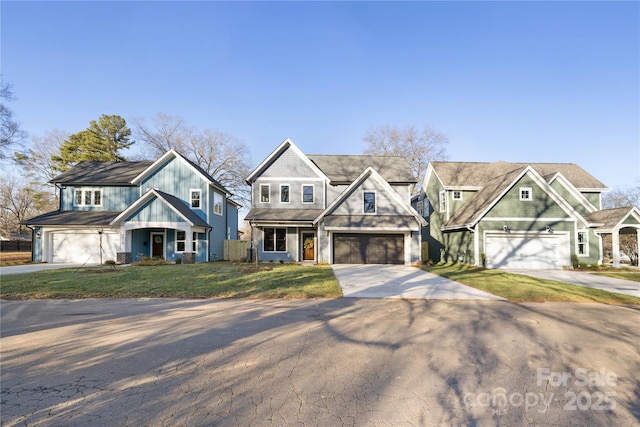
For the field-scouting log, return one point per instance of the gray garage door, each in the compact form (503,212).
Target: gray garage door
(368,249)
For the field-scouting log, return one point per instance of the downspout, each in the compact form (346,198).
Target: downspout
(33,239)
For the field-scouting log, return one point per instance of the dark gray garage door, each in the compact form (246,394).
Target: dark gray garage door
(368,249)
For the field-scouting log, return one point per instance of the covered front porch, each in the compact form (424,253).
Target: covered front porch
(622,226)
(176,243)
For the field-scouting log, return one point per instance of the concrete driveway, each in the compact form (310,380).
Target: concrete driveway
(32,268)
(583,278)
(324,362)
(400,281)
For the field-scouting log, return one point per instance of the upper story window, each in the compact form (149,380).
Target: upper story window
(218,201)
(88,197)
(307,194)
(425,207)
(369,202)
(265,191)
(443,201)
(526,194)
(195,198)
(284,193)
(457,195)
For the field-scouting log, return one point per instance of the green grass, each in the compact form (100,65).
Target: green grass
(203,280)
(520,288)
(626,275)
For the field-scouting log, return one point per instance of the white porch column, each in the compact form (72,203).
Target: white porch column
(615,246)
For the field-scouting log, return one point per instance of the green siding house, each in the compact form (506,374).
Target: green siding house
(518,215)
(122,211)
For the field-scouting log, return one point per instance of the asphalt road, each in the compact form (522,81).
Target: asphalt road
(342,362)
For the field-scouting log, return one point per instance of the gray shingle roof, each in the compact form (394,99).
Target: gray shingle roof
(86,218)
(609,218)
(183,209)
(114,173)
(346,168)
(483,198)
(267,214)
(479,174)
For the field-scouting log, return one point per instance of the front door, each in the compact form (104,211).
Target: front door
(308,246)
(157,245)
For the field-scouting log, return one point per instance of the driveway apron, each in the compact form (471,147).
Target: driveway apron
(400,281)
(583,278)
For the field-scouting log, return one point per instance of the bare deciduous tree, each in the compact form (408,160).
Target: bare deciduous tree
(10,132)
(620,197)
(20,201)
(223,156)
(36,162)
(418,146)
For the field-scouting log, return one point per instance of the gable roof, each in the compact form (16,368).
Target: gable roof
(84,218)
(193,166)
(344,169)
(172,202)
(285,145)
(370,172)
(608,219)
(491,193)
(480,174)
(90,173)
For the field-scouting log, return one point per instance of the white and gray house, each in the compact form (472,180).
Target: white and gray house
(334,209)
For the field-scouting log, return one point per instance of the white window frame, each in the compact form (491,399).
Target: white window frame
(193,191)
(268,193)
(458,194)
(375,203)
(275,240)
(289,195)
(313,194)
(442,201)
(218,200)
(585,243)
(183,241)
(83,192)
(529,196)
(194,242)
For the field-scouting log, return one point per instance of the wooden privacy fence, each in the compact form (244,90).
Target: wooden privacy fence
(235,249)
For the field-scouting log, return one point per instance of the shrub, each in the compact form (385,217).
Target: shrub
(178,260)
(574,261)
(109,262)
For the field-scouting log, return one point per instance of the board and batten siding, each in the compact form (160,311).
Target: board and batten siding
(114,198)
(178,179)
(219,223)
(155,210)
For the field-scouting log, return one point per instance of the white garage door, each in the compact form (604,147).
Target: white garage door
(82,247)
(548,251)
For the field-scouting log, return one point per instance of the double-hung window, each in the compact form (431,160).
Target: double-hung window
(181,238)
(194,244)
(307,194)
(265,191)
(195,198)
(88,197)
(284,193)
(583,243)
(218,202)
(275,240)
(443,201)
(369,202)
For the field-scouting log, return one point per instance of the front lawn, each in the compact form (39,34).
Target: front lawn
(625,275)
(14,258)
(203,280)
(520,288)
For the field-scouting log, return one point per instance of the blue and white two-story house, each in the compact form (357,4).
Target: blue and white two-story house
(123,211)
(335,209)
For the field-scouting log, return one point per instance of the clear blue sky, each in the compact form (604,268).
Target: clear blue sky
(513,81)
